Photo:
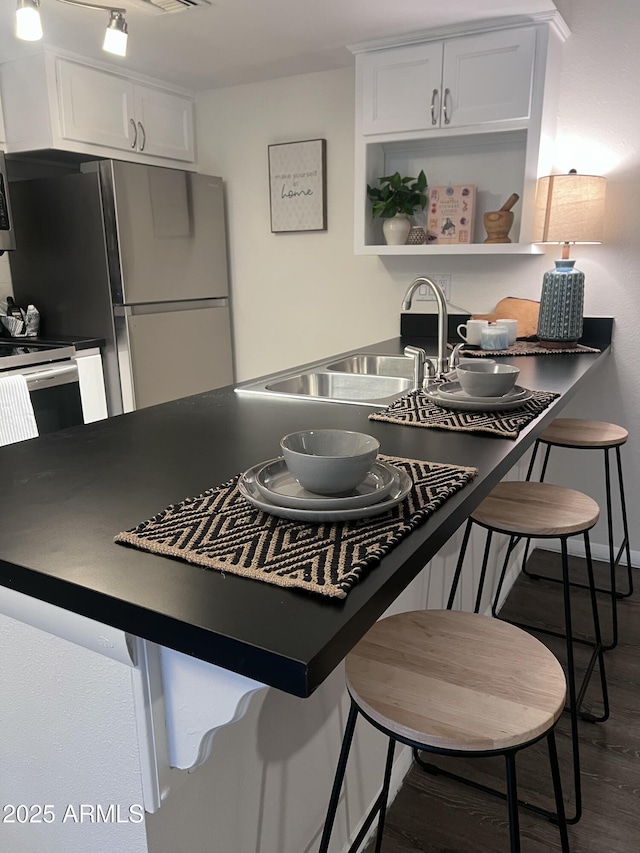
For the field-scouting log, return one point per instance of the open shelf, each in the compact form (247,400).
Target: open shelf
(465,249)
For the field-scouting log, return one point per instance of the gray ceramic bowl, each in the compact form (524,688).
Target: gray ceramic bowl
(487,380)
(329,461)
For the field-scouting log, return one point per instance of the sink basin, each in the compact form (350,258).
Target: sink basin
(346,387)
(375,365)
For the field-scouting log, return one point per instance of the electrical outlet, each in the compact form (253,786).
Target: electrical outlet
(425,294)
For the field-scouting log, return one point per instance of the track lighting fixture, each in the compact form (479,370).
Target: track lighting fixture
(116,34)
(28,23)
(29,26)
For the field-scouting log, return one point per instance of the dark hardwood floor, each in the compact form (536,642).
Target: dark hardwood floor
(433,814)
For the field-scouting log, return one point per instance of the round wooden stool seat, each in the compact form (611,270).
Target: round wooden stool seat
(456,681)
(536,509)
(576,432)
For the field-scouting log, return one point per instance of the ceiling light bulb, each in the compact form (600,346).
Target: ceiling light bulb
(28,23)
(116,34)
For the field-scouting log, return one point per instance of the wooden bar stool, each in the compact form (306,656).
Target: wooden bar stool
(453,683)
(578,434)
(524,510)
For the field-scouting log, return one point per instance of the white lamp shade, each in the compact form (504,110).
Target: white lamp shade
(28,23)
(569,209)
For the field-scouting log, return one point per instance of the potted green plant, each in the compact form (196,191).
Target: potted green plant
(395,200)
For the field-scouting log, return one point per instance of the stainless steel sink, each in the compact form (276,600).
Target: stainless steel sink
(360,378)
(342,386)
(375,365)
(318,383)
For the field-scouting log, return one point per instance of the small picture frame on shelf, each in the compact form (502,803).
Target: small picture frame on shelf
(450,214)
(298,186)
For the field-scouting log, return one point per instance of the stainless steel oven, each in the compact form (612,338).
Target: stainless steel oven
(52,379)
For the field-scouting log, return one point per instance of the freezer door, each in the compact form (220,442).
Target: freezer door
(173,354)
(169,241)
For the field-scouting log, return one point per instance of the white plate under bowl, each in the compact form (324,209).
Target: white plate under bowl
(277,484)
(247,487)
(454,391)
(478,404)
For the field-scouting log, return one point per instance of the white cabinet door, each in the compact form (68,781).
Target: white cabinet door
(401,88)
(164,123)
(95,107)
(488,77)
(459,82)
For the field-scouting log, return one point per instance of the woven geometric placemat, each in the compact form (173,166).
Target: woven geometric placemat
(525,348)
(417,410)
(220,530)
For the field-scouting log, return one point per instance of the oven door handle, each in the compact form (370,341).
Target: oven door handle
(52,376)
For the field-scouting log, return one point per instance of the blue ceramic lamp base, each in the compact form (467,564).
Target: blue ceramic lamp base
(561,306)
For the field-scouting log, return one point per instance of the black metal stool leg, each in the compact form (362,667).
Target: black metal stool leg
(339,778)
(557,791)
(571,683)
(625,529)
(512,803)
(483,571)
(596,628)
(384,797)
(513,541)
(612,559)
(532,461)
(543,472)
(456,576)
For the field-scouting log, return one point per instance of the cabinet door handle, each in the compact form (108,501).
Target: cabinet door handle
(434,117)
(447,96)
(135,133)
(143,135)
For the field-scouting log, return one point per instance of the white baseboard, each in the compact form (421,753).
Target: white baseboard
(575,546)
(401,766)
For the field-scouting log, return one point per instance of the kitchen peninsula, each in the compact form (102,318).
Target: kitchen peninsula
(64,497)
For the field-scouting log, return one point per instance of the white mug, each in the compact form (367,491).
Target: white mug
(471,330)
(494,337)
(512,327)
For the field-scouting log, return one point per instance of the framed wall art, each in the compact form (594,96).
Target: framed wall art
(298,186)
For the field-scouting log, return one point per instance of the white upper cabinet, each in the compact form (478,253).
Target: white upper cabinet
(401,88)
(475,104)
(164,123)
(57,102)
(95,107)
(451,83)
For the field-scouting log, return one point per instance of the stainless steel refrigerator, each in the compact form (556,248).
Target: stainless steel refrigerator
(135,255)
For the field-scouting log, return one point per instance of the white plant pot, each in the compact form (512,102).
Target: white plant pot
(396,229)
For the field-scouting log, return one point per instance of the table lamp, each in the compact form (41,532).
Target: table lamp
(569,209)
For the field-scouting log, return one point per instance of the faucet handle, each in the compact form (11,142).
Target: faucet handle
(454,360)
(419,357)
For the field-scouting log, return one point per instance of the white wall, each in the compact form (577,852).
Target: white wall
(298,297)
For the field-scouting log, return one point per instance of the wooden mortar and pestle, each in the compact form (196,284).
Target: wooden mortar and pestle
(497,223)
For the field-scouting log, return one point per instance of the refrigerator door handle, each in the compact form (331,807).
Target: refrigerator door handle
(169,307)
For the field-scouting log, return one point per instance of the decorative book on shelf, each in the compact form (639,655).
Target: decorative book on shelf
(450,214)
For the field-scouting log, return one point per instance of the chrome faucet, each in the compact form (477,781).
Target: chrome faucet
(442,363)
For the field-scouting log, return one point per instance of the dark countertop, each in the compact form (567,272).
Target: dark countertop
(63,497)
(78,342)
